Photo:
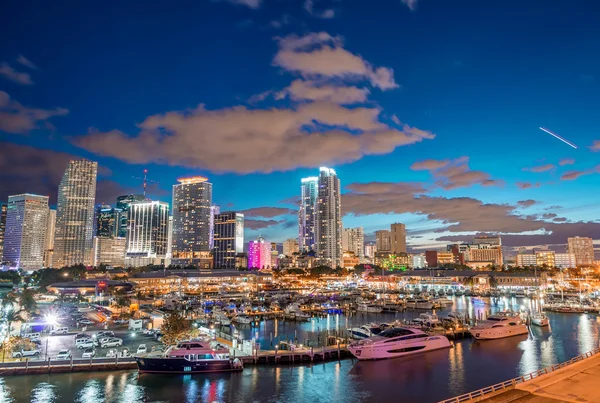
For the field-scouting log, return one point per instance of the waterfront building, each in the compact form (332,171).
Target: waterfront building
(545,258)
(290,246)
(398,238)
(3,210)
(108,221)
(123,203)
(26,220)
(583,249)
(307,213)
(418,261)
(565,260)
(392,261)
(526,259)
(49,239)
(353,240)
(446,258)
(109,251)
(485,253)
(147,233)
(328,219)
(350,260)
(383,240)
(259,254)
(241,260)
(431,258)
(73,239)
(228,239)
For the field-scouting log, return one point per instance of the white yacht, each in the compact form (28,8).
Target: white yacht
(365,331)
(242,319)
(369,308)
(419,303)
(397,342)
(427,319)
(293,312)
(498,326)
(443,301)
(539,319)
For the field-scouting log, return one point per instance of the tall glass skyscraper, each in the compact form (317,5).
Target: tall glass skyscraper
(328,219)
(259,254)
(108,221)
(306,215)
(73,241)
(123,203)
(26,221)
(228,239)
(147,233)
(192,201)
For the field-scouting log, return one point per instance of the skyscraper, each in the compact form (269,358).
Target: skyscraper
(383,240)
(290,246)
(353,240)
(108,221)
(192,202)
(398,238)
(274,255)
(147,233)
(259,254)
(228,239)
(26,221)
(2,227)
(109,251)
(123,203)
(73,240)
(583,249)
(49,242)
(328,219)
(214,210)
(306,214)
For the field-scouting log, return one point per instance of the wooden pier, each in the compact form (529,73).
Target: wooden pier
(299,355)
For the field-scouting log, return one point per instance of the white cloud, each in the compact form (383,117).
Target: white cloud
(26,62)
(18,119)
(412,4)
(18,77)
(300,90)
(325,14)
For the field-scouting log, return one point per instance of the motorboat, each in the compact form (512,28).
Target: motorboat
(370,308)
(242,319)
(419,303)
(539,319)
(397,342)
(427,319)
(293,312)
(498,326)
(365,331)
(188,358)
(455,318)
(443,301)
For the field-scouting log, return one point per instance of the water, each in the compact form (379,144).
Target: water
(424,378)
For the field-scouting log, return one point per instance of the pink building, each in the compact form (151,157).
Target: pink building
(259,254)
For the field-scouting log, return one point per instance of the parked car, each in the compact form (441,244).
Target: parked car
(84,343)
(106,333)
(59,330)
(124,353)
(81,336)
(32,336)
(121,321)
(63,355)
(142,349)
(86,322)
(101,340)
(114,342)
(88,353)
(26,353)
(112,353)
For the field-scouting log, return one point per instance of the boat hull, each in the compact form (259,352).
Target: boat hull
(398,350)
(183,366)
(540,322)
(498,333)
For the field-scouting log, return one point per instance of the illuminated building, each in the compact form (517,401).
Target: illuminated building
(228,239)
(353,240)
(73,240)
(123,203)
(274,256)
(485,253)
(49,241)
(418,261)
(545,258)
(583,249)
(2,227)
(307,213)
(290,246)
(383,240)
(108,221)
(370,250)
(565,260)
(328,219)
(526,259)
(109,251)
(192,203)
(350,260)
(445,258)
(26,220)
(147,233)
(259,254)
(398,238)
(214,210)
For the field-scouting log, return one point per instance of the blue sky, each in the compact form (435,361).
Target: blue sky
(458,88)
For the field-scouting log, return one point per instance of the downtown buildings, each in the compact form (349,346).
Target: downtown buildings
(228,239)
(307,213)
(583,249)
(147,233)
(353,240)
(259,254)
(73,241)
(3,209)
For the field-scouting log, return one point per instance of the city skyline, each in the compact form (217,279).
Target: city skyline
(443,138)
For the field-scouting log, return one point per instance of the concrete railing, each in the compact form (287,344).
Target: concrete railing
(515,381)
(75,362)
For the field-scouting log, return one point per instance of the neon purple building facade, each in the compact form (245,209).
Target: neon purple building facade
(259,254)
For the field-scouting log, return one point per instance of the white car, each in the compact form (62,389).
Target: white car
(112,353)
(89,353)
(26,353)
(85,344)
(142,349)
(59,330)
(85,322)
(63,355)
(114,342)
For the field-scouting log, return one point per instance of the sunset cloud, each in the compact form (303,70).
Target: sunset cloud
(541,168)
(18,119)
(13,75)
(453,174)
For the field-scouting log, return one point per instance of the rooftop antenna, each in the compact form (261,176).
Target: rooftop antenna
(145,181)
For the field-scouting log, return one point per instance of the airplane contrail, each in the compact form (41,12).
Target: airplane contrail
(558,137)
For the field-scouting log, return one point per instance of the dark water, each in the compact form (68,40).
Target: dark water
(424,378)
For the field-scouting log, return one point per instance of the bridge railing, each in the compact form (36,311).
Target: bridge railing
(515,381)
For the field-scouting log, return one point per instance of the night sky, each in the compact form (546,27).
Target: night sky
(429,110)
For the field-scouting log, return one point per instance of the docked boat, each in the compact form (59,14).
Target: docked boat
(370,308)
(242,320)
(539,319)
(443,302)
(293,312)
(419,303)
(498,326)
(427,319)
(189,358)
(397,342)
(366,331)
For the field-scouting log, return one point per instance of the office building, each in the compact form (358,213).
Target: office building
(353,240)
(485,253)
(565,260)
(192,205)
(290,246)
(147,233)
(526,259)
(370,250)
(307,213)
(398,238)
(383,240)
(26,220)
(214,210)
(49,241)
(228,239)
(274,256)
(169,254)
(74,237)
(418,261)
(109,251)
(259,254)
(583,249)
(2,227)
(328,219)
(123,203)
(108,221)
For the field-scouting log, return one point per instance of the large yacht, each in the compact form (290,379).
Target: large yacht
(498,326)
(397,342)
(366,331)
(371,308)
(419,303)
(189,358)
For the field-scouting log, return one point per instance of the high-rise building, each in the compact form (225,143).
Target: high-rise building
(2,227)
(290,246)
(307,213)
(169,242)
(418,261)
(26,220)
(192,203)
(73,240)
(370,250)
(109,251)
(398,238)
(383,240)
(108,221)
(49,242)
(147,233)
(485,249)
(353,240)
(485,239)
(259,254)
(274,255)
(228,239)
(123,203)
(583,249)
(328,219)
(214,210)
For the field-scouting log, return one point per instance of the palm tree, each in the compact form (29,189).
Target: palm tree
(27,301)
(13,316)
